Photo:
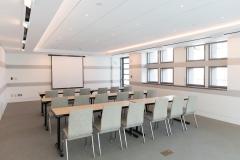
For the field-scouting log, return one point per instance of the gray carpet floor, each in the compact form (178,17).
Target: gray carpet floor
(22,137)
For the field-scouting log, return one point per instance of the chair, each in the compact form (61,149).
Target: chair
(151,93)
(134,118)
(51,94)
(114,89)
(55,103)
(101,98)
(127,88)
(102,90)
(138,95)
(110,122)
(79,126)
(158,114)
(122,96)
(85,91)
(68,92)
(176,111)
(81,100)
(190,109)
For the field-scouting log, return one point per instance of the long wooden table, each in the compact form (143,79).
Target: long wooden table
(64,111)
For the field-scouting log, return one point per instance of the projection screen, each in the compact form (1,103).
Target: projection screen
(67,72)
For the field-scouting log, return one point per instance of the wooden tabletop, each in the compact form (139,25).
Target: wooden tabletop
(66,110)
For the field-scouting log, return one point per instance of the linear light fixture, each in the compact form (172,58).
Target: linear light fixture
(196,32)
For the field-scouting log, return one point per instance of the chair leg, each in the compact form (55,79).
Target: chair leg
(195,118)
(169,126)
(184,122)
(183,128)
(99,145)
(49,126)
(151,129)
(120,138)
(125,138)
(93,147)
(66,145)
(166,127)
(143,135)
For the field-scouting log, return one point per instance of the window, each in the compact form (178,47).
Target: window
(218,77)
(124,71)
(195,76)
(195,53)
(218,50)
(166,75)
(152,57)
(167,55)
(153,75)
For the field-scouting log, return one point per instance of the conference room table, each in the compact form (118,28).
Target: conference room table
(64,111)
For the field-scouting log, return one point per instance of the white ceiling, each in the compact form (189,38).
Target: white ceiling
(97,26)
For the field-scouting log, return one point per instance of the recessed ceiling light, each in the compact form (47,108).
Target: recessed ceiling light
(28,3)
(86,15)
(181,6)
(178,36)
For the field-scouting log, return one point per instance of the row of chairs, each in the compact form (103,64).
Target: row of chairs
(85,91)
(81,124)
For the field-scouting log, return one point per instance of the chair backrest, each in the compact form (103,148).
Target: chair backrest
(101,98)
(114,89)
(84,91)
(68,92)
(122,96)
(80,122)
(191,104)
(127,88)
(59,102)
(51,94)
(135,114)
(160,109)
(102,90)
(111,117)
(151,93)
(138,95)
(177,106)
(81,100)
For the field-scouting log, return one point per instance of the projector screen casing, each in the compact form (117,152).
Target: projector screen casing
(67,71)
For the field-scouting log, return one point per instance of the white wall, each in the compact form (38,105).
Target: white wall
(32,74)
(221,105)
(3,85)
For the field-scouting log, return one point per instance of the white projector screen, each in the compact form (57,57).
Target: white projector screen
(67,72)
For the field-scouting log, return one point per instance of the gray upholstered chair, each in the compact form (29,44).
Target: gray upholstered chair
(68,92)
(81,100)
(110,122)
(151,93)
(51,94)
(190,109)
(55,103)
(101,98)
(79,126)
(134,118)
(138,95)
(114,89)
(85,91)
(176,111)
(102,90)
(122,96)
(158,114)
(127,88)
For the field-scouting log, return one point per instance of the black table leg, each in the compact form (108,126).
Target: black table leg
(42,109)
(58,144)
(131,133)
(45,116)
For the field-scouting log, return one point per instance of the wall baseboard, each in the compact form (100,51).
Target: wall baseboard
(23,99)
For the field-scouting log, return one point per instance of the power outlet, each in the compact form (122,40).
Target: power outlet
(19,94)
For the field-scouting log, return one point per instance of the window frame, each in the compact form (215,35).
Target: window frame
(196,85)
(149,78)
(161,57)
(148,58)
(160,76)
(187,52)
(210,78)
(210,51)
(122,71)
